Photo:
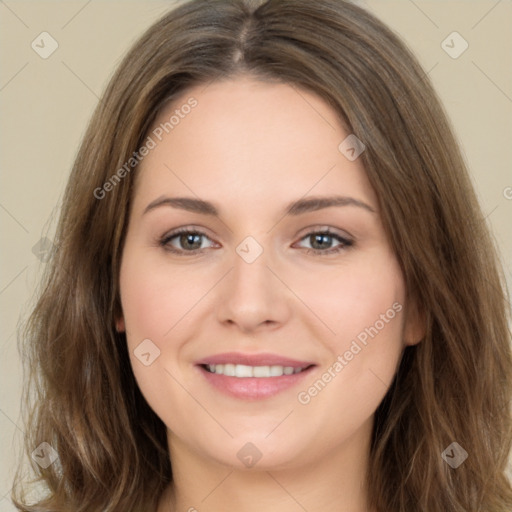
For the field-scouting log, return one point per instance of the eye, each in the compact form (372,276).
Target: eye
(190,241)
(319,240)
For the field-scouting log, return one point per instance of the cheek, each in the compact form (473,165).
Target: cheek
(152,304)
(151,298)
(155,301)
(350,298)
(367,318)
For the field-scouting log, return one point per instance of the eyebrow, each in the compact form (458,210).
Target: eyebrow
(298,207)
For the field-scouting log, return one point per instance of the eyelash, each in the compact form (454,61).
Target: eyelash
(164,242)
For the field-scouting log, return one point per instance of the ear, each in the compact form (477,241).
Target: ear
(120,327)
(415,326)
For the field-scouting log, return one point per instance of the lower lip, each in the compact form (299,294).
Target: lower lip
(253,388)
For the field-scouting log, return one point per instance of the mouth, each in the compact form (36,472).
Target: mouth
(253,376)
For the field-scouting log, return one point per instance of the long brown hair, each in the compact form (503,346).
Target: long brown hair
(454,386)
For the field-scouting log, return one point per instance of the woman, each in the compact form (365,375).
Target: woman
(247,370)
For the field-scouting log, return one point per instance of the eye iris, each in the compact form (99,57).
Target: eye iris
(189,237)
(321,238)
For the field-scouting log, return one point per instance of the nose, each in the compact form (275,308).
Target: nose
(253,295)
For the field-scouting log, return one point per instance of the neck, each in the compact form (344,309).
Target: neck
(334,481)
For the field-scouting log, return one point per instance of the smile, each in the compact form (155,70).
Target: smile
(253,376)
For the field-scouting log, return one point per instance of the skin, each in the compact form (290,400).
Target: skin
(251,148)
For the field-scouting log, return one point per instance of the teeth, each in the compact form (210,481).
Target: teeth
(229,370)
(242,370)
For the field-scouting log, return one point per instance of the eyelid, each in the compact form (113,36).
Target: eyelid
(323,228)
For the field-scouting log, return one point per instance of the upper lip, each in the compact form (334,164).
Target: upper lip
(253,360)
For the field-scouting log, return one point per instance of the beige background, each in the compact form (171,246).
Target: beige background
(46,103)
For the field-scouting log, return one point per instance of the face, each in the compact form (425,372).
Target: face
(276,319)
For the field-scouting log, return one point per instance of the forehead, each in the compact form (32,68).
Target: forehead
(248,140)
